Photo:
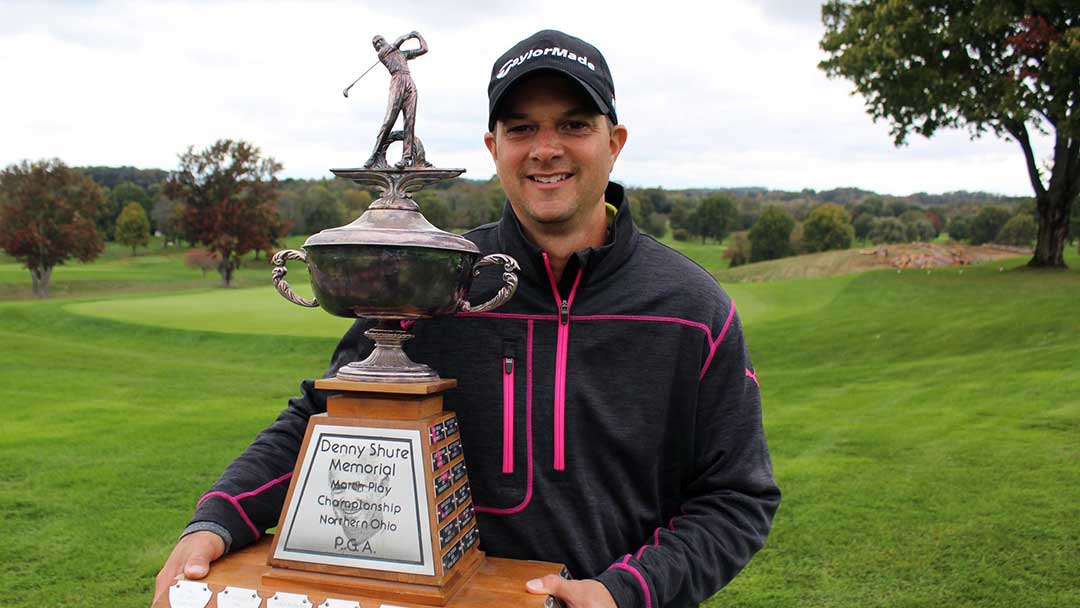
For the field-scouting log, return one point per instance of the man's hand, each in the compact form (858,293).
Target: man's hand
(575,594)
(191,557)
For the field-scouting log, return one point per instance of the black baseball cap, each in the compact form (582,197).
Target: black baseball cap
(559,52)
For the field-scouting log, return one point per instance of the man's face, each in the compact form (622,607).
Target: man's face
(553,153)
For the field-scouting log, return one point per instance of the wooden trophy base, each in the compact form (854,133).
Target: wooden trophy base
(445,569)
(496,582)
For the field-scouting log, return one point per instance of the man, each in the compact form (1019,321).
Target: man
(632,447)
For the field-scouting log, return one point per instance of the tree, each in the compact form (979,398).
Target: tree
(1001,67)
(920,230)
(1019,231)
(827,228)
(228,196)
(988,223)
(960,228)
(888,230)
(863,225)
(321,209)
(133,227)
(168,215)
(714,217)
(48,214)
(201,259)
(739,252)
(770,236)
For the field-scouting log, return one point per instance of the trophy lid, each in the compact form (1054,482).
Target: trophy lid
(394,218)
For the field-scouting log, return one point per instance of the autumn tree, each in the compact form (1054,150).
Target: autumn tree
(992,66)
(133,227)
(48,214)
(228,192)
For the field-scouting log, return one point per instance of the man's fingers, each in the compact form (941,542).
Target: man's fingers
(191,558)
(550,584)
(197,566)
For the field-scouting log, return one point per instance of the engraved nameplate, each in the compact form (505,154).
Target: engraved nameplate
(466,515)
(189,594)
(458,470)
(451,426)
(439,458)
(452,556)
(360,501)
(454,449)
(462,494)
(470,538)
(446,507)
(443,483)
(288,600)
(436,433)
(332,603)
(238,597)
(447,533)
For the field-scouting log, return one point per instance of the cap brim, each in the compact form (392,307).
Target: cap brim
(493,106)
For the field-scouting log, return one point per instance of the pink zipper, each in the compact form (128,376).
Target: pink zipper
(563,340)
(508,415)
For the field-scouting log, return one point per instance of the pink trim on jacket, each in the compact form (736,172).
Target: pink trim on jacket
(235,500)
(753,376)
(508,416)
(625,565)
(528,435)
(719,339)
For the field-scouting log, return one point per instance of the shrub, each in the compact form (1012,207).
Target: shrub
(739,251)
(920,230)
(988,223)
(770,237)
(888,230)
(827,228)
(1019,231)
(959,228)
(681,234)
(201,259)
(863,225)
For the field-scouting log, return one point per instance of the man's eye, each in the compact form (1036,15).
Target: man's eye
(577,125)
(518,129)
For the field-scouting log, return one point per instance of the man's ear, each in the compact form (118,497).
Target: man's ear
(617,141)
(489,141)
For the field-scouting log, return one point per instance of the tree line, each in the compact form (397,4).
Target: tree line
(227,200)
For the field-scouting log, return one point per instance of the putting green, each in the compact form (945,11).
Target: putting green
(241,311)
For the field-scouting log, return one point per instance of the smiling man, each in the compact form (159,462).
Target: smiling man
(609,412)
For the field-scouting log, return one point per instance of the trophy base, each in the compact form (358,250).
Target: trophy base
(496,582)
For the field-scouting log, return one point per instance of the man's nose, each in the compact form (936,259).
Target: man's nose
(546,145)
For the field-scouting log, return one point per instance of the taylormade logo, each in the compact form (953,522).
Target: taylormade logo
(534,53)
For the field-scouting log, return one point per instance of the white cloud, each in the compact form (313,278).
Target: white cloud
(714,94)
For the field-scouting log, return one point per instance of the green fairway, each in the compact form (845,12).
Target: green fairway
(925,430)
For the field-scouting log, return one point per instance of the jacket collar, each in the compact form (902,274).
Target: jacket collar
(596,261)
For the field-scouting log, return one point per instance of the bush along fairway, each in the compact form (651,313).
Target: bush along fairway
(923,429)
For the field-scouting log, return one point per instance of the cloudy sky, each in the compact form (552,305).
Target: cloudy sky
(713,93)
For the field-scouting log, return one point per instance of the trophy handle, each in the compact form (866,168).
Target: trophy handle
(279,270)
(510,266)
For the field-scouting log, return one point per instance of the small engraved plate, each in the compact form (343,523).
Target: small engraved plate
(439,458)
(288,600)
(446,507)
(238,597)
(462,494)
(436,433)
(458,470)
(451,426)
(454,449)
(470,538)
(565,573)
(190,594)
(447,533)
(452,556)
(466,515)
(442,483)
(332,603)
(553,602)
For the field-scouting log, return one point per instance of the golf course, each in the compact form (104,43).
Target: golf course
(924,425)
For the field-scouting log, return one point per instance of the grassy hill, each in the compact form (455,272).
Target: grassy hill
(923,429)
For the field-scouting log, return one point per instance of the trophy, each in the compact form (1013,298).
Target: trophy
(379,510)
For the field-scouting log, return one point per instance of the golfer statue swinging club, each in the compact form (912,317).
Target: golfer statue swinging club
(402,100)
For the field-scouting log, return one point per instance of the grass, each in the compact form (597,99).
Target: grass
(923,428)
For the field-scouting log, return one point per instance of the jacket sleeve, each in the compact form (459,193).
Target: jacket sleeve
(728,500)
(248,497)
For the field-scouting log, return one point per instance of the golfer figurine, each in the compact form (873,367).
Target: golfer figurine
(402,100)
